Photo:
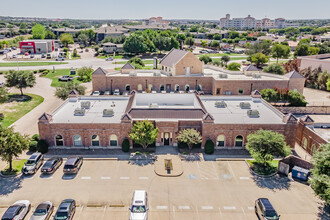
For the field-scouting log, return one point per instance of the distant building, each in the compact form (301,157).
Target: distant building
(315,61)
(111,47)
(156,21)
(37,46)
(110,31)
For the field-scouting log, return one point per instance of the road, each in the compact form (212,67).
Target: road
(206,190)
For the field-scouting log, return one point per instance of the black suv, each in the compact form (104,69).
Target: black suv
(264,210)
(51,165)
(66,210)
(73,164)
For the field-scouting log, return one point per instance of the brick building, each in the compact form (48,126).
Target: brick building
(105,121)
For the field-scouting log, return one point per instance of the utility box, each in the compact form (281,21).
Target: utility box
(73,71)
(300,173)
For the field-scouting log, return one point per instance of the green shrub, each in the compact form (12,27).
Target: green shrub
(33,146)
(206,59)
(35,137)
(209,147)
(125,145)
(42,146)
(234,66)
(182,145)
(136,61)
(217,63)
(65,49)
(296,99)
(274,68)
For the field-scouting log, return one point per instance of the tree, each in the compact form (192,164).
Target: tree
(270,95)
(135,43)
(20,79)
(225,59)
(216,36)
(209,147)
(174,43)
(62,92)
(263,47)
(144,133)
(233,35)
(189,41)
(259,59)
(50,35)
(190,137)
(320,181)
(38,31)
(313,50)
(3,94)
(264,145)
(85,74)
(203,43)
(12,145)
(234,66)
(215,44)
(301,50)
(274,68)
(296,99)
(206,59)
(137,62)
(66,39)
(280,51)
(328,85)
(181,37)
(83,38)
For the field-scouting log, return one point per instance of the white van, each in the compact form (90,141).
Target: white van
(139,208)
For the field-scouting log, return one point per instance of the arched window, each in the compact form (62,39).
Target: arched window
(77,140)
(128,87)
(162,87)
(199,87)
(305,143)
(314,149)
(177,88)
(150,87)
(59,140)
(240,91)
(187,88)
(113,140)
(239,141)
(221,141)
(95,140)
(140,87)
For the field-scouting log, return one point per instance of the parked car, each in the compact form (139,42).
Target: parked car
(203,51)
(26,54)
(109,59)
(49,56)
(66,210)
(116,92)
(86,50)
(2,84)
(107,93)
(51,165)
(17,211)
(139,207)
(96,93)
(60,59)
(13,48)
(73,165)
(65,78)
(14,56)
(43,211)
(213,51)
(264,210)
(31,56)
(33,163)
(43,55)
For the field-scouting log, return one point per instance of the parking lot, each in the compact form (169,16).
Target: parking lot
(207,190)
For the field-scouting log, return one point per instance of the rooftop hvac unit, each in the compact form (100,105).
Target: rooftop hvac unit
(132,74)
(256,75)
(79,112)
(220,104)
(156,74)
(85,105)
(253,113)
(223,75)
(153,105)
(245,105)
(108,112)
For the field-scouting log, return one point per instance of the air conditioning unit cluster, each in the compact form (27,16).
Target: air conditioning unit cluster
(245,105)
(79,112)
(132,74)
(220,104)
(253,113)
(108,112)
(223,75)
(153,105)
(256,75)
(156,74)
(85,105)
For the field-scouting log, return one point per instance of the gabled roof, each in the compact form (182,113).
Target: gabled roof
(251,68)
(45,117)
(128,65)
(208,117)
(294,74)
(173,57)
(99,71)
(256,93)
(73,92)
(126,117)
(306,118)
(291,118)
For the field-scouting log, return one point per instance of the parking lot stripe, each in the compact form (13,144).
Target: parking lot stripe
(124,178)
(250,208)
(243,210)
(244,178)
(229,207)
(105,177)
(143,177)
(163,207)
(86,178)
(184,207)
(207,207)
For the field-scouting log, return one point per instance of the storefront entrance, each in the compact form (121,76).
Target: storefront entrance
(166,138)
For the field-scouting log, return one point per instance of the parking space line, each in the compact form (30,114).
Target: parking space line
(105,177)
(143,178)
(124,178)
(229,207)
(220,211)
(207,207)
(244,178)
(250,208)
(184,207)
(86,178)
(231,169)
(243,210)
(162,207)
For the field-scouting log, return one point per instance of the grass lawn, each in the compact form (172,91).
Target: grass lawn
(144,61)
(261,170)
(60,72)
(231,58)
(220,54)
(116,57)
(13,63)
(17,166)
(18,106)
(144,68)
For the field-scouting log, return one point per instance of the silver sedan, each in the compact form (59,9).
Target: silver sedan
(43,211)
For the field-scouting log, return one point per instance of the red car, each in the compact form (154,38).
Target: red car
(26,54)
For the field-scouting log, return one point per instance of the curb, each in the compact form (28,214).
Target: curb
(258,175)
(170,175)
(116,205)
(10,176)
(230,159)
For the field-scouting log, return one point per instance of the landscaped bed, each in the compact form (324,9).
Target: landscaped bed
(58,73)
(10,64)
(17,107)
(17,166)
(262,170)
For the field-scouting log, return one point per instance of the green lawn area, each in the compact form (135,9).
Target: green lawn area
(144,68)
(18,106)
(261,170)
(220,54)
(116,57)
(231,58)
(13,63)
(60,72)
(17,166)
(144,61)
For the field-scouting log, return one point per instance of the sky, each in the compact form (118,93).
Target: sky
(168,9)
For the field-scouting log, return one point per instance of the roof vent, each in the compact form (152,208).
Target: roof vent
(256,75)
(85,105)
(132,74)
(156,74)
(223,75)
(153,105)
(108,112)
(245,105)
(253,113)
(79,112)
(220,104)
